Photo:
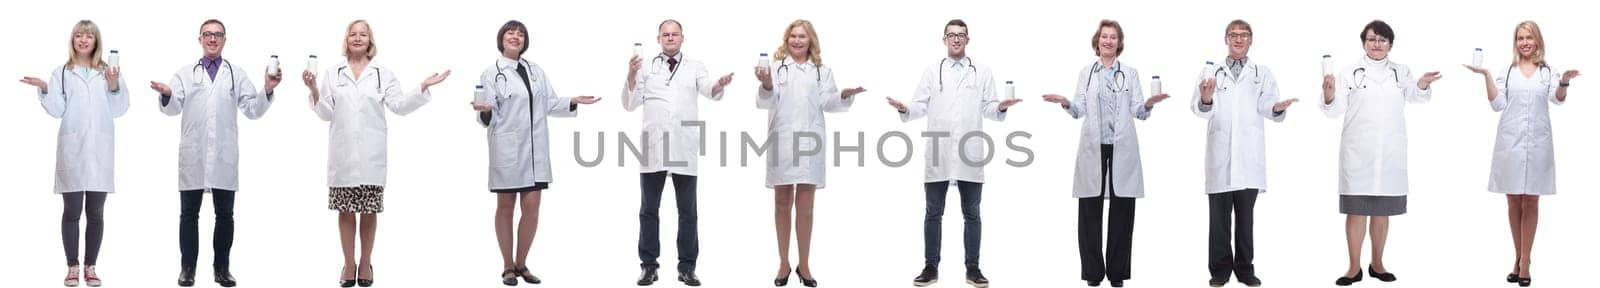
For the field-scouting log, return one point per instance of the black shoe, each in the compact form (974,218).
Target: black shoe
(780,282)
(186,277)
(224,278)
(1385,277)
(1524,282)
(509,277)
(1512,278)
(345,282)
(808,282)
(648,277)
(527,276)
(1346,281)
(1250,281)
(1217,283)
(1116,283)
(364,282)
(1093,283)
(930,275)
(976,279)
(688,278)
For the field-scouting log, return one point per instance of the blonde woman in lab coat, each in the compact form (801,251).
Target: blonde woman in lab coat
(86,94)
(1108,168)
(352,96)
(1523,166)
(517,102)
(796,89)
(1372,94)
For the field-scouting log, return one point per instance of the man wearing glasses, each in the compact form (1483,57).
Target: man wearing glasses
(205,92)
(955,95)
(1236,99)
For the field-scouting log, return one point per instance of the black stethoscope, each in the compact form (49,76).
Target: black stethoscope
(234,79)
(500,79)
(1361,76)
(1542,80)
(374,69)
(784,80)
(662,58)
(1219,70)
(1116,76)
(941,71)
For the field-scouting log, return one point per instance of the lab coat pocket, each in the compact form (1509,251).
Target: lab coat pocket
(504,150)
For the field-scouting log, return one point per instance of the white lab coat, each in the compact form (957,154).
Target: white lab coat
(358,135)
(1524,153)
(1127,171)
(1372,150)
(519,136)
(795,105)
(85,145)
(955,104)
(1236,142)
(208,148)
(669,99)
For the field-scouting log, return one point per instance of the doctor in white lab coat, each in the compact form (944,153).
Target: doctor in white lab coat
(1109,96)
(796,90)
(1523,164)
(669,86)
(1372,94)
(86,94)
(1236,99)
(518,98)
(353,96)
(208,92)
(955,95)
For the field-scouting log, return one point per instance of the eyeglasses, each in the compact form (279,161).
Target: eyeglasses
(213,35)
(1238,36)
(962,36)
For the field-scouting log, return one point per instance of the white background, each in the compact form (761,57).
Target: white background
(437,231)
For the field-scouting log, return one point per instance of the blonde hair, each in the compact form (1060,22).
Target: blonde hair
(811,33)
(1538,38)
(372,43)
(85,26)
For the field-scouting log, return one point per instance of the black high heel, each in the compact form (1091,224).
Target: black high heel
(509,281)
(804,281)
(1346,281)
(367,282)
(1512,278)
(527,276)
(1524,282)
(780,282)
(346,282)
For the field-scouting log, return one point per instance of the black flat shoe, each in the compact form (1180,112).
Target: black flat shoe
(1385,277)
(1346,281)
(364,282)
(509,277)
(1524,282)
(1093,283)
(805,281)
(224,278)
(647,277)
(527,276)
(1250,281)
(186,277)
(1116,283)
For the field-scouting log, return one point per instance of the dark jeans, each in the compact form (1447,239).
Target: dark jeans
(972,224)
(1237,260)
(74,205)
(189,226)
(650,186)
(1116,264)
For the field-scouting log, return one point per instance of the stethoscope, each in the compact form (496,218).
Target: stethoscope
(1116,76)
(1217,73)
(785,80)
(1542,80)
(941,71)
(500,79)
(1361,76)
(375,69)
(663,58)
(233,87)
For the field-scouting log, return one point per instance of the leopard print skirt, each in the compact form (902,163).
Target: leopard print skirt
(365,199)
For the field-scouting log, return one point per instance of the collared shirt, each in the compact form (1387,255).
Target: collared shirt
(1108,101)
(211,65)
(1236,66)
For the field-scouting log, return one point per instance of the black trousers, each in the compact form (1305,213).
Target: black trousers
(73,206)
(1116,264)
(1224,260)
(650,186)
(972,224)
(189,226)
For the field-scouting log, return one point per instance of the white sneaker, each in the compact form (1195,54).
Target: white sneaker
(72,277)
(89,277)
